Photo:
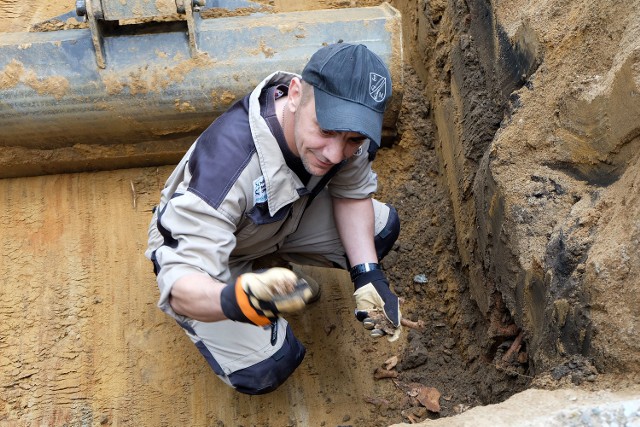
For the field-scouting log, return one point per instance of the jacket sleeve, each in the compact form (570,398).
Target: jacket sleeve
(196,238)
(356,179)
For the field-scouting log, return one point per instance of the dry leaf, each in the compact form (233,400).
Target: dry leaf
(429,397)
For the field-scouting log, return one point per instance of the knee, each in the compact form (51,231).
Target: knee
(268,375)
(385,239)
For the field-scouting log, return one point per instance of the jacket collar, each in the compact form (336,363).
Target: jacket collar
(281,183)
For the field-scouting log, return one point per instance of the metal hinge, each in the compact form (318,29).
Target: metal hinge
(98,12)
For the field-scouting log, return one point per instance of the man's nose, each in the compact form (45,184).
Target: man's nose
(335,150)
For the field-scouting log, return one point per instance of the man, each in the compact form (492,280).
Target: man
(285,171)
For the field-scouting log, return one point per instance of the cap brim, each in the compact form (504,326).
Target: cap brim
(338,114)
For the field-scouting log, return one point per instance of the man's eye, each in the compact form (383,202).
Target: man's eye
(325,132)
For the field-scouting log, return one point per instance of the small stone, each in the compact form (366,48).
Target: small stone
(384,373)
(420,278)
(523,357)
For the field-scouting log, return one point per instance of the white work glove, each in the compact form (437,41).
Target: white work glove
(376,306)
(259,298)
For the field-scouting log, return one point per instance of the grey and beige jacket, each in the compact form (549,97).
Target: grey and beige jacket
(232,198)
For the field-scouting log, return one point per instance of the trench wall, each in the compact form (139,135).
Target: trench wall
(532,161)
(470,68)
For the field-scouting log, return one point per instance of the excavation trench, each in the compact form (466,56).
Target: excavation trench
(83,342)
(93,346)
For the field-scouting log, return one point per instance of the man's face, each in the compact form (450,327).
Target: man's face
(320,149)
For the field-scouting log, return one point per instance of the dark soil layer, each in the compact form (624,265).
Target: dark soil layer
(454,353)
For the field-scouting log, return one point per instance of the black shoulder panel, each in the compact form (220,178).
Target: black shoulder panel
(221,154)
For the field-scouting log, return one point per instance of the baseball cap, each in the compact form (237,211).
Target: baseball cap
(352,86)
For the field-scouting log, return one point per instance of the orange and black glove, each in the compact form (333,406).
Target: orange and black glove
(259,298)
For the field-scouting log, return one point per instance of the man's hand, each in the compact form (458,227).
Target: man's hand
(259,298)
(376,306)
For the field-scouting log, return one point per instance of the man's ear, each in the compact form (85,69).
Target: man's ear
(295,94)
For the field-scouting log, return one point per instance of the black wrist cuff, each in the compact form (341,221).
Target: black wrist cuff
(230,306)
(374,277)
(357,270)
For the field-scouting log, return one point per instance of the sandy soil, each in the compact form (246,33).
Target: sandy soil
(18,16)
(576,125)
(83,343)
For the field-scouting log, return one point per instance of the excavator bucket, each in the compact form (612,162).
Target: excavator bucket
(131,78)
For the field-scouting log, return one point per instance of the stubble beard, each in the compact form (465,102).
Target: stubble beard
(308,168)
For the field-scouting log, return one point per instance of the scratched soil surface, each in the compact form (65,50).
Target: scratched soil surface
(82,342)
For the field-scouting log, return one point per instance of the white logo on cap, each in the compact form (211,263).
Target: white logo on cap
(377,87)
